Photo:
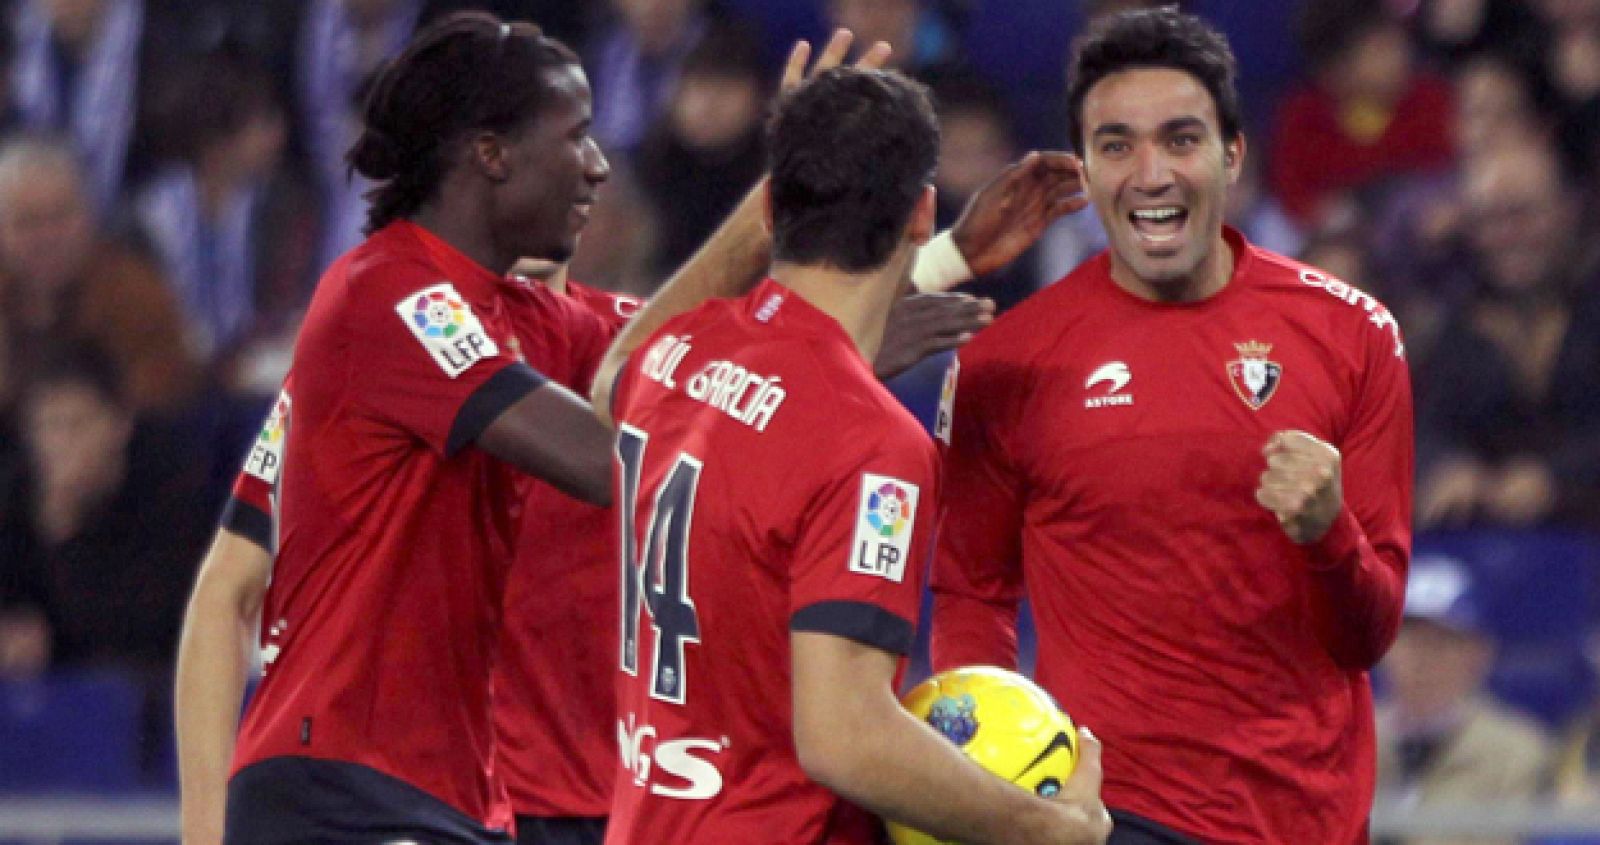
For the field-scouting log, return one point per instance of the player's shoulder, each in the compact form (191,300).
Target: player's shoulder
(1034,325)
(610,306)
(390,265)
(1318,296)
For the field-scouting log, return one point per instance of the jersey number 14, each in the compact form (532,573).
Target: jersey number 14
(657,575)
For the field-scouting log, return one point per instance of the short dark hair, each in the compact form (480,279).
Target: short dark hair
(1154,38)
(469,71)
(1328,29)
(851,152)
(213,96)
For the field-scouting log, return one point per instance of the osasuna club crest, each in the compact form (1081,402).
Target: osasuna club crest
(1254,376)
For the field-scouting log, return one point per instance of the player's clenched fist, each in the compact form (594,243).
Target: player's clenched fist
(1301,485)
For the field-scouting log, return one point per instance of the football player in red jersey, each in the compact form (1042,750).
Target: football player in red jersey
(1194,457)
(393,497)
(555,709)
(776,504)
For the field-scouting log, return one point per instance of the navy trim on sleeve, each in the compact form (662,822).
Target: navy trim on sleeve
(859,621)
(249,522)
(489,401)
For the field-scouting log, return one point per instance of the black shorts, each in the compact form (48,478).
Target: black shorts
(533,830)
(299,799)
(1138,830)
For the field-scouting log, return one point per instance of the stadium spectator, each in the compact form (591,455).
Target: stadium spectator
(235,233)
(1509,398)
(1443,739)
(1416,221)
(1366,113)
(1572,60)
(109,530)
(63,280)
(705,152)
(636,62)
(76,72)
(340,46)
(1214,441)
(1451,32)
(921,38)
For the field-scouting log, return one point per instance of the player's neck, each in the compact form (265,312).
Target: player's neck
(858,301)
(1206,281)
(463,231)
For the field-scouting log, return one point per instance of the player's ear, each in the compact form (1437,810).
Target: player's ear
(1233,157)
(488,154)
(920,227)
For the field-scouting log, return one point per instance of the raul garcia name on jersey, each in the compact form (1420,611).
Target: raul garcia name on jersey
(749,397)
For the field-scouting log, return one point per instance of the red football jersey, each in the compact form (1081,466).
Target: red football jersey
(1106,454)
(768,484)
(393,534)
(555,699)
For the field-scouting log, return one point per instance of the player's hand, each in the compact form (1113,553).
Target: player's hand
(924,323)
(1010,213)
(833,54)
(1080,795)
(1301,485)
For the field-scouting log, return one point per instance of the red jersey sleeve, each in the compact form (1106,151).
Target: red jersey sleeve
(434,363)
(862,548)
(1360,565)
(249,512)
(977,571)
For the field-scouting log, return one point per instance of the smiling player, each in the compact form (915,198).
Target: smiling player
(1195,455)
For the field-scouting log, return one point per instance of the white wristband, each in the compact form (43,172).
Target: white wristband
(940,265)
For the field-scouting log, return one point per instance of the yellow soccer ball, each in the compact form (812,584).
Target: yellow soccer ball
(1004,722)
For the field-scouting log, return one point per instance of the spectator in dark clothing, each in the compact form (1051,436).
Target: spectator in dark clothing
(100,554)
(1450,32)
(1508,399)
(706,151)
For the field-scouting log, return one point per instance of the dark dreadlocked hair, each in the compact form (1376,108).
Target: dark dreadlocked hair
(469,71)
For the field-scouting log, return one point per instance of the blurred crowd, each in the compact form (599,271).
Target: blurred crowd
(172,180)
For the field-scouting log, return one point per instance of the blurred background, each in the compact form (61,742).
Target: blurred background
(172,181)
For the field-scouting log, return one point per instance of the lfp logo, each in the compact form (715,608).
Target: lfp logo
(266,456)
(272,432)
(889,510)
(884,524)
(439,314)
